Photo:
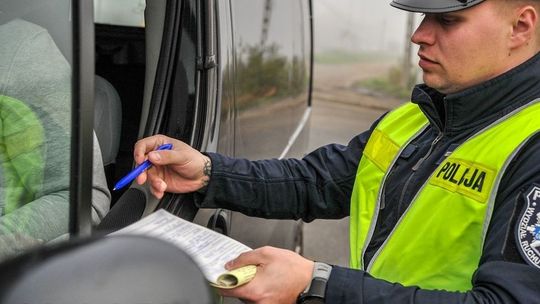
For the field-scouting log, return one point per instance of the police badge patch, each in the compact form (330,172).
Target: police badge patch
(528,228)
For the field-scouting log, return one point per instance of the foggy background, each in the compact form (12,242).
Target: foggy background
(358,26)
(346,25)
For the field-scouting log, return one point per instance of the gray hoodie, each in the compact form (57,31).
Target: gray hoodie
(35,139)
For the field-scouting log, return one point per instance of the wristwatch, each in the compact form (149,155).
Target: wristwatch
(315,291)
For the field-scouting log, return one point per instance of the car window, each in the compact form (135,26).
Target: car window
(120,12)
(35,129)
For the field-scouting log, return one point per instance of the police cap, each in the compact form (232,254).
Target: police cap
(434,6)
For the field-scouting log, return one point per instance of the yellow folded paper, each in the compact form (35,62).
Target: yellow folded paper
(236,277)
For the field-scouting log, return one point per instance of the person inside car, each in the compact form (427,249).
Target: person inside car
(35,137)
(440,191)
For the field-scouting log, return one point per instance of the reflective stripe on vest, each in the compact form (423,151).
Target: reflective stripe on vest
(437,243)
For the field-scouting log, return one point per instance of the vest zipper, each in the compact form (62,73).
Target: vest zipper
(417,166)
(421,160)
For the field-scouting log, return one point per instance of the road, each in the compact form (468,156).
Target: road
(339,113)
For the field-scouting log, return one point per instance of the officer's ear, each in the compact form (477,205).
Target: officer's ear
(524,27)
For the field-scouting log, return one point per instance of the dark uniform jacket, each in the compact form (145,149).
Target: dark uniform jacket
(320,186)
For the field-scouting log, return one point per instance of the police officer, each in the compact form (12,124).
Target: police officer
(440,191)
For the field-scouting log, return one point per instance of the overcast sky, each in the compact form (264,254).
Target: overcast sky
(359,25)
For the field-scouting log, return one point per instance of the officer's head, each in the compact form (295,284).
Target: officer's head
(466,42)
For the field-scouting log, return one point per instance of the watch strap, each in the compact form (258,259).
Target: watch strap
(317,286)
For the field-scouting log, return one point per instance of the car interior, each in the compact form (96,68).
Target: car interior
(138,60)
(130,57)
(120,61)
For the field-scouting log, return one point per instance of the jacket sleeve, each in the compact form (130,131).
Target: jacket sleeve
(494,282)
(317,186)
(502,276)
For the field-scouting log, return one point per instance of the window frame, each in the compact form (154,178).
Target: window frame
(82,118)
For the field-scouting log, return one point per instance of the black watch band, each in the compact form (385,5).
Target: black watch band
(316,290)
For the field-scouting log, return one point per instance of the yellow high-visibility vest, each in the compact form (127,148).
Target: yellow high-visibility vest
(437,243)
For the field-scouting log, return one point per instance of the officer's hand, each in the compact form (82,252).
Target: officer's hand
(281,276)
(180,170)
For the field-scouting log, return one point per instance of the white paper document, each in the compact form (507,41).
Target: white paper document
(209,249)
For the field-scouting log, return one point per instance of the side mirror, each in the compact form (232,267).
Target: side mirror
(119,269)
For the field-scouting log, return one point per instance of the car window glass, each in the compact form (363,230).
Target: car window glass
(120,12)
(35,129)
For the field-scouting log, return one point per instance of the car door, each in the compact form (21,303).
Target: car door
(203,93)
(214,80)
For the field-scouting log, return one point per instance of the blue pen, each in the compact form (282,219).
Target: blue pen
(138,170)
